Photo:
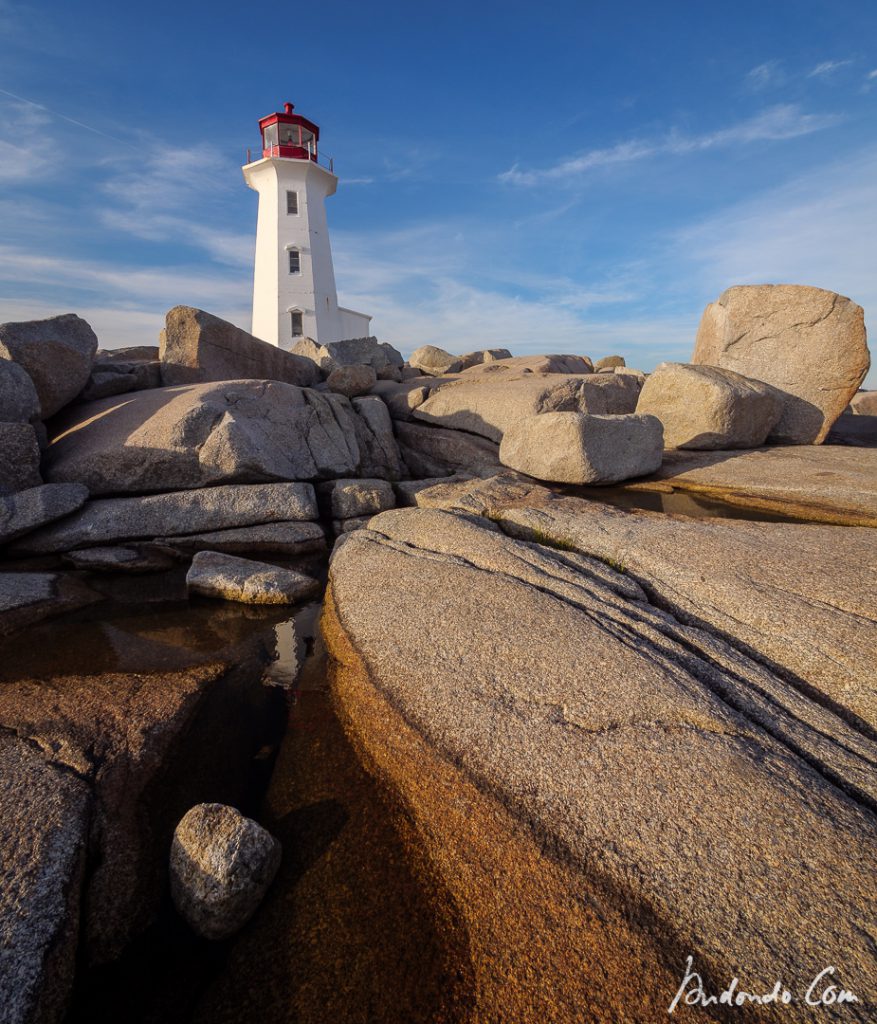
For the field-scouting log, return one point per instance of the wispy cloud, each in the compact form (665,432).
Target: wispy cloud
(827,68)
(784,121)
(764,76)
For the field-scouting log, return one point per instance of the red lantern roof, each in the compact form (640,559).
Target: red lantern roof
(289,135)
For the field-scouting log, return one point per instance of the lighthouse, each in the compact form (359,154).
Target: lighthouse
(294,282)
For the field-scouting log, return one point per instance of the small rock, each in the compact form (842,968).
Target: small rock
(29,597)
(19,457)
(57,354)
(342,526)
(352,381)
(609,363)
(575,448)
(214,574)
(864,403)
(348,499)
(221,865)
(434,361)
(386,361)
(705,407)
(410,372)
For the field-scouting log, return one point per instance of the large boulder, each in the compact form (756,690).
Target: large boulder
(807,342)
(378,450)
(181,437)
(351,381)
(386,361)
(483,355)
(595,776)
(27,510)
(490,406)
(434,361)
(572,448)
(197,347)
(609,363)
(57,354)
(706,407)
(221,865)
(108,520)
(230,578)
(117,377)
(19,402)
(19,457)
(436,451)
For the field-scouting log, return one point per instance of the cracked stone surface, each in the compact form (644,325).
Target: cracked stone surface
(807,342)
(149,516)
(667,778)
(27,510)
(243,431)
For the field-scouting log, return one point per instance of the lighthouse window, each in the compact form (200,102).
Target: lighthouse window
(294,261)
(270,136)
(297,326)
(289,135)
(292,202)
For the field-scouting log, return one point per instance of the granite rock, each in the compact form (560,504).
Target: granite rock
(807,342)
(27,510)
(351,381)
(19,457)
(214,574)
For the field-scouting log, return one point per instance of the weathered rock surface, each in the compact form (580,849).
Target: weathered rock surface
(514,366)
(584,770)
(342,526)
(435,451)
(56,353)
(346,499)
(45,812)
(798,596)
(386,361)
(378,451)
(182,437)
(830,485)
(19,457)
(29,597)
(706,407)
(403,397)
(132,354)
(864,403)
(276,538)
(807,342)
(197,347)
(352,380)
(19,402)
(221,865)
(230,578)
(572,448)
(489,408)
(434,361)
(25,511)
(106,520)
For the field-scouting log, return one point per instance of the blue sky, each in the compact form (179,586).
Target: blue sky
(579,177)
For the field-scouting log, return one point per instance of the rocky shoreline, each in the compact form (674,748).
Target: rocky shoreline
(603,739)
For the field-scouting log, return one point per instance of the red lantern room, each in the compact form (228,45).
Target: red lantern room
(289,135)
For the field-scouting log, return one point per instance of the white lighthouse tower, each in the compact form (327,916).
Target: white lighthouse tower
(294,283)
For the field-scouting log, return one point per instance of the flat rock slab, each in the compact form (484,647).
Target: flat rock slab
(798,596)
(213,574)
(278,538)
(120,559)
(29,597)
(487,407)
(600,788)
(25,511)
(830,484)
(244,431)
(106,520)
